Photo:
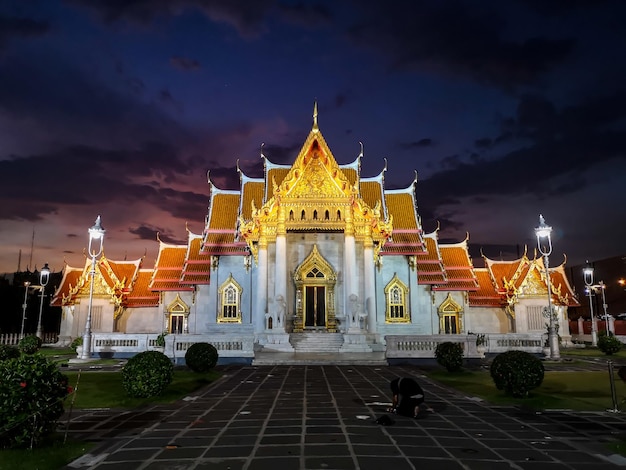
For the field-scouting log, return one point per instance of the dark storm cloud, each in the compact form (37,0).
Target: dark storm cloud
(425,142)
(92,177)
(559,146)
(149,232)
(457,38)
(12,27)
(185,63)
(245,16)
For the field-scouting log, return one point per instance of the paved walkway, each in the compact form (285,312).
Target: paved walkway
(323,417)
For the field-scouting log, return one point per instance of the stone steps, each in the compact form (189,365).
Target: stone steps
(321,342)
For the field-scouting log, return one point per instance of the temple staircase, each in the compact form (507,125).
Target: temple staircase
(316,342)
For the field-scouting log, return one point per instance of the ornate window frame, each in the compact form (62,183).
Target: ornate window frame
(230,301)
(396,301)
(177,308)
(449,308)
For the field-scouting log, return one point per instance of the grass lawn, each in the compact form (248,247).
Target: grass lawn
(583,391)
(590,352)
(97,389)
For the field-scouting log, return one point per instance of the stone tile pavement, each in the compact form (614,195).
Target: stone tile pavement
(323,417)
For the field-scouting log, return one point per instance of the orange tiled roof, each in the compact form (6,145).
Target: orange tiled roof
(252,191)
(371,193)
(458,267)
(197,267)
(486,295)
(141,295)
(220,234)
(430,268)
(63,295)
(407,234)
(169,268)
(275,174)
(350,174)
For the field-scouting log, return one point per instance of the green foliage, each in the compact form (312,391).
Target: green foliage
(8,352)
(450,355)
(517,372)
(30,344)
(31,400)
(76,343)
(609,344)
(147,374)
(160,341)
(201,357)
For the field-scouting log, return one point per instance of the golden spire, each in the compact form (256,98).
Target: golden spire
(315,128)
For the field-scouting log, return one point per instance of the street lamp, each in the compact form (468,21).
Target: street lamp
(588,277)
(26,286)
(44,277)
(602,286)
(544,243)
(96,237)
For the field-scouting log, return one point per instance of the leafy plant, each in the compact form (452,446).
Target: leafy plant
(29,344)
(77,342)
(516,372)
(201,357)
(147,374)
(160,341)
(609,344)
(31,400)
(450,355)
(8,352)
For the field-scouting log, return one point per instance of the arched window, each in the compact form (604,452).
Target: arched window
(315,215)
(397,303)
(303,215)
(338,215)
(290,215)
(230,302)
(326,215)
(177,314)
(450,317)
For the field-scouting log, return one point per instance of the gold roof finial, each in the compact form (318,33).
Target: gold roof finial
(315,128)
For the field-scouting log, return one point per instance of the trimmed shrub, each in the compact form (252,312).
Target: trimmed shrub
(450,355)
(8,352)
(29,344)
(609,344)
(201,357)
(147,374)
(31,400)
(517,372)
(76,342)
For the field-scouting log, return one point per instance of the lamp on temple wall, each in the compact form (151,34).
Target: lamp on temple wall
(588,277)
(96,240)
(544,243)
(44,277)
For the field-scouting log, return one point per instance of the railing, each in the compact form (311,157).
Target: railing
(13,339)
(423,346)
(122,345)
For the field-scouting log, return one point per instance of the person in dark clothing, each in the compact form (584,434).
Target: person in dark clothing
(407,396)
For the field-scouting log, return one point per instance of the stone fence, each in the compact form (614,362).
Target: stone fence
(423,346)
(12,339)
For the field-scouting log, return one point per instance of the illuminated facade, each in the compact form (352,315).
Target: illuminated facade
(313,248)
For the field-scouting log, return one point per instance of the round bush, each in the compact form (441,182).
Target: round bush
(450,355)
(147,374)
(609,344)
(31,399)
(201,357)
(29,344)
(8,352)
(516,372)
(76,342)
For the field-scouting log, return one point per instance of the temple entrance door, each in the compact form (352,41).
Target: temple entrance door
(315,281)
(315,307)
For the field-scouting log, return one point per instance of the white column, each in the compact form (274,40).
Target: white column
(369,301)
(259,305)
(280,283)
(349,279)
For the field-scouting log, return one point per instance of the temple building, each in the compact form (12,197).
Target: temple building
(312,256)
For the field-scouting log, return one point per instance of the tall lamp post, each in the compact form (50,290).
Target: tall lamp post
(96,239)
(588,277)
(544,243)
(26,286)
(44,277)
(605,307)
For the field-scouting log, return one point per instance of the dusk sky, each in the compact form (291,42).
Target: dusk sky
(506,109)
